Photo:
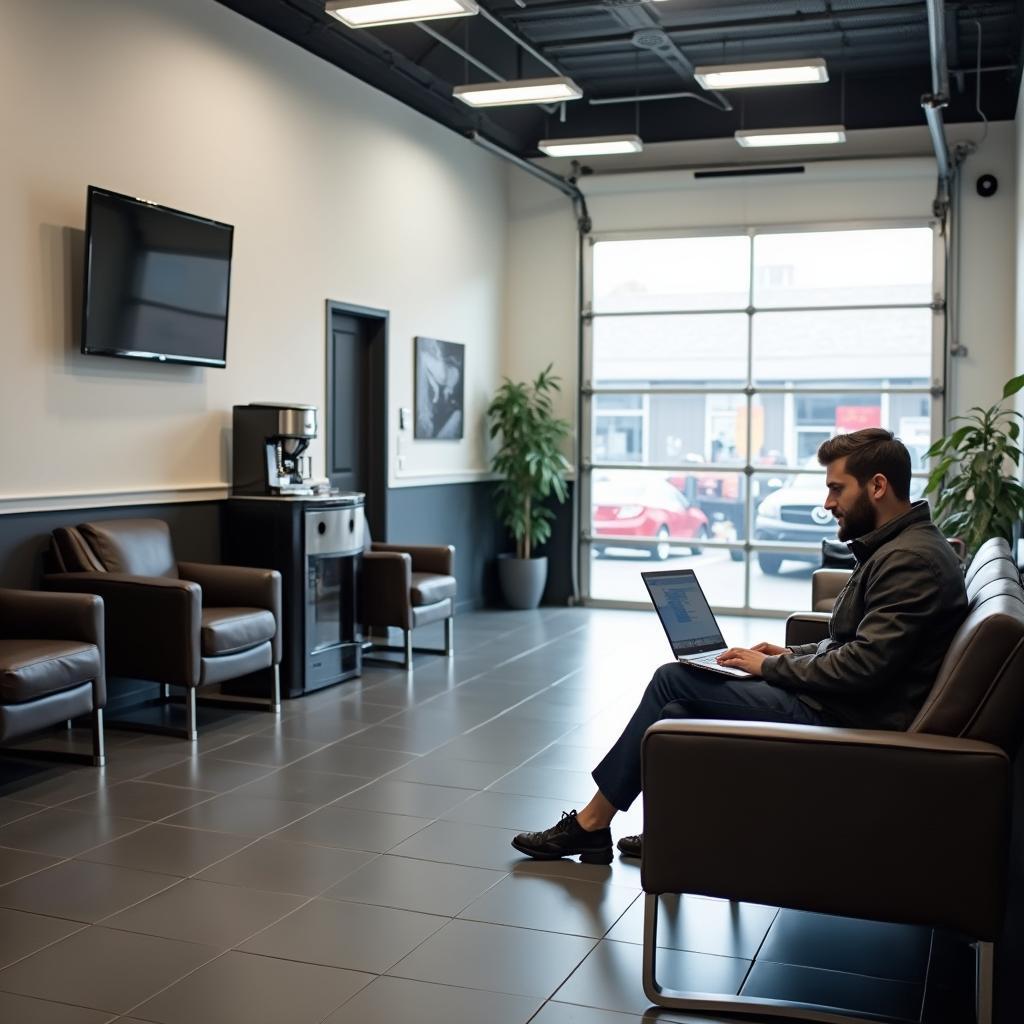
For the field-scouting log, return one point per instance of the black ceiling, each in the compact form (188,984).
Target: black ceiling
(877,54)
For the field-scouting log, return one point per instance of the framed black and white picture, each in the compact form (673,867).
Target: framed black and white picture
(440,377)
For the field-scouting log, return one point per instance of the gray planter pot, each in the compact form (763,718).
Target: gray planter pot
(522,580)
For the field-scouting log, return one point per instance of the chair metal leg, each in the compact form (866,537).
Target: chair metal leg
(165,691)
(275,697)
(99,756)
(376,651)
(706,1002)
(984,961)
(650,965)
(191,732)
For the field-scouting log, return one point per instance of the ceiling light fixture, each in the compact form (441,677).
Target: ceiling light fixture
(822,135)
(365,13)
(593,145)
(524,90)
(772,72)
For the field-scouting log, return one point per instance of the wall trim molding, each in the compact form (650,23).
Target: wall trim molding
(430,478)
(11,504)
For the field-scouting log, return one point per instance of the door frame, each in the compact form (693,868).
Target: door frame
(376,320)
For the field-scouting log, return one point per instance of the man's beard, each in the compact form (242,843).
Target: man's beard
(859,519)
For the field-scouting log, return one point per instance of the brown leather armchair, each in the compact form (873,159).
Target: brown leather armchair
(51,663)
(175,623)
(408,585)
(908,828)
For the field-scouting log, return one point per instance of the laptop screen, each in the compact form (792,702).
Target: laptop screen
(684,611)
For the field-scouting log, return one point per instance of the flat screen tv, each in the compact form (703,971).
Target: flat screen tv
(156,282)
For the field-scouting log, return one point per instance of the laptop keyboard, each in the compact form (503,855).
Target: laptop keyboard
(706,659)
(710,662)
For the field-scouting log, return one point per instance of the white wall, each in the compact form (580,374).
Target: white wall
(335,191)
(540,318)
(1018,221)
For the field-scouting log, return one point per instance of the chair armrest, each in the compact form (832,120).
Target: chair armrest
(826,585)
(152,623)
(887,826)
(234,585)
(438,558)
(387,579)
(806,628)
(31,614)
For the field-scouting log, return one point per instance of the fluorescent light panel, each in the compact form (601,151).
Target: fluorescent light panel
(522,90)
(773,72)
(822,135)
(593,145)
(364,13)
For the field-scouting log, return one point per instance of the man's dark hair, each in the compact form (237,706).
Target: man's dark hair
(870,451)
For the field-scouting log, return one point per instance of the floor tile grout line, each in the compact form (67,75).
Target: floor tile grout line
(82,927)
(273,769)
(760,946)
(410,711)
(307,900)
(60,1002)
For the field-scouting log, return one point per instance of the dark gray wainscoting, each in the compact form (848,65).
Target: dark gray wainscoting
(463,515)
(24,537)
(459,514)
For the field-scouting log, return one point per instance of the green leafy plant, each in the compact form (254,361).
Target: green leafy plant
(979,494)
(529,459)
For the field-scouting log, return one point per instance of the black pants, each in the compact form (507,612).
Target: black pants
(693,693)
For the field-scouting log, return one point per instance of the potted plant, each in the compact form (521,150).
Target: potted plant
(983,497)
(532,469)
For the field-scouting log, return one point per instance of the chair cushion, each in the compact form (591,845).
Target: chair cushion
(30,669)
(230,630)
(139,547)
(429,588)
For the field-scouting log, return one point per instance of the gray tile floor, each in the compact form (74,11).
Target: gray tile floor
(349,862)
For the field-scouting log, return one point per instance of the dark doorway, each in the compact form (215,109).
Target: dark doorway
(357,402)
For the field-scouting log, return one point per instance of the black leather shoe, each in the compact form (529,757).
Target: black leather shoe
(631,846)
(567,839)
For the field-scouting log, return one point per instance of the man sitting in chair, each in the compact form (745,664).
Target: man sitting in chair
(889,632)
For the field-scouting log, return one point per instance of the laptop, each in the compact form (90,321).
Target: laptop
(690,623)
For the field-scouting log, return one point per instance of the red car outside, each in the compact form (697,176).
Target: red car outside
(636,505)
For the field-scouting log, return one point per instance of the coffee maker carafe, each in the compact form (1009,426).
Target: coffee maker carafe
(268,449)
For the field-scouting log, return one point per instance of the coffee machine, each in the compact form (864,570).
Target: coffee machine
(269,442)
(279,517)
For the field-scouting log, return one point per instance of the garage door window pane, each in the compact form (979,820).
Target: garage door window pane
(794,425)
(671,273)
(894,344)
(843,268)
(700,350)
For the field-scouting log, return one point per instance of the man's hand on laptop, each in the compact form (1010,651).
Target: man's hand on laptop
(744,659)
(750,660)
(770,649)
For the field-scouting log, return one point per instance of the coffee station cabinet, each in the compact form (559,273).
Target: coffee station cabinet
(314,540)
(317,545)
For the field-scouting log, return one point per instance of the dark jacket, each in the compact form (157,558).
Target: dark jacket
(890,628)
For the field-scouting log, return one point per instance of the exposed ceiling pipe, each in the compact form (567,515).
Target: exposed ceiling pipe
(467,56)
(460,50)
(934,101)
(937,45)
(604,100)
(549,177)
(522,43)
